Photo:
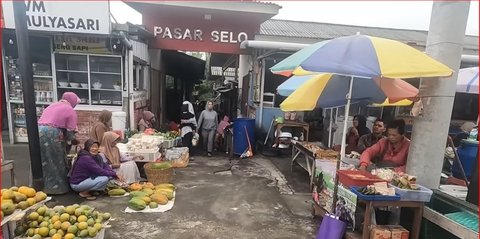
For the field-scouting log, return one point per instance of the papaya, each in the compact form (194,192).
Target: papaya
(148,191)
(136,194)
(19,197)
(137,204)
(40,196)
(148,185)
(153,205)
(162,166)
(116,192)
(29,192)
(147,200)
(135,187)
(8,208)
(168,194)
(8,194)
(165,185)
(159,198)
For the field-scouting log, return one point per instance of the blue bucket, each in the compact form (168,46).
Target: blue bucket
(467,152)
(240,137)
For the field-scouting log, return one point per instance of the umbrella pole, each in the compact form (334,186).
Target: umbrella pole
(330,129)
(345,121)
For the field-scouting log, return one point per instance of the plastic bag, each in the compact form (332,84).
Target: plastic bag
(195,139)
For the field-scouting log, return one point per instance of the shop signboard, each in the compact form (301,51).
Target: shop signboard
(190,30)
(81,44)
(92,17)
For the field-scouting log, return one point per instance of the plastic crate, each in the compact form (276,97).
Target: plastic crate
(422,195)
(350,178)
(168,144)
(364,197)
(149,155)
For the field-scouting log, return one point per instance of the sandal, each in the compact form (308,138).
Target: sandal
(87,196)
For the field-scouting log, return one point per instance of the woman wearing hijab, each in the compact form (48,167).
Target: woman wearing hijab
(147,121)
(103,125)
(89,172)
(57,127)
(358,130)
(208,123)
(124,166)
(188,125)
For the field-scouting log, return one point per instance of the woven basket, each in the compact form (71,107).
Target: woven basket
(158,176)
(181,162)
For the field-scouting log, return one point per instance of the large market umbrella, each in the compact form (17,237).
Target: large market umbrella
(367,57)
(289,64)
(328,90)
(467,81)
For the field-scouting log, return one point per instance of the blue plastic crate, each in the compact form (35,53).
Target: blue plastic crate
(374,197)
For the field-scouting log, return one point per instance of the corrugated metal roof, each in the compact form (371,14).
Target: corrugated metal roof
(322,31)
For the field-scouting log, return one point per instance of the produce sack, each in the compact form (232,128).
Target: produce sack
(331,228)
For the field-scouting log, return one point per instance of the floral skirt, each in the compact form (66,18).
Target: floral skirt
(53,153)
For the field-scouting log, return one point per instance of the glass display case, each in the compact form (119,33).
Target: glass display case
(96,79)
(43,86)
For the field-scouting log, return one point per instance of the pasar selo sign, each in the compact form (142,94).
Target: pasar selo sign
(199,39)
(193,34)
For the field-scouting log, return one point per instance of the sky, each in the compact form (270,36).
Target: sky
(391,14)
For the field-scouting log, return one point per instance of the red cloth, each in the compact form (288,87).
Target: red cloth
(397,156)
(173,126)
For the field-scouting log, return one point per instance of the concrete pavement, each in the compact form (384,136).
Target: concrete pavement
(252,200)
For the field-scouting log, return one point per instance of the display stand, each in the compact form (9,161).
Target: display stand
(291,124)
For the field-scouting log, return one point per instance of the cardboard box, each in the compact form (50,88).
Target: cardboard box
(389,232)
(380,232)
(398,232)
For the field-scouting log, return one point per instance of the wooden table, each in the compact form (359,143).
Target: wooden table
(370,208)
(7,165)
(292,124)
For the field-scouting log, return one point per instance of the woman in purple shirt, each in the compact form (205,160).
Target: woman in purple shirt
(89,172)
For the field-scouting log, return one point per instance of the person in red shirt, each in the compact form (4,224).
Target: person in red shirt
(391,152)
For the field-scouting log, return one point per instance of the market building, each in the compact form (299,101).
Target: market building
(78,51)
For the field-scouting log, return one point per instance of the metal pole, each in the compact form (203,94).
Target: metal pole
(445,43)
(26,72)
(330,129)
(345,121)
(262,85)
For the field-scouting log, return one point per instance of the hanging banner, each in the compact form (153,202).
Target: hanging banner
(92,17)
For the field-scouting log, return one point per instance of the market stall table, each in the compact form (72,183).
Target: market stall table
(309,165)
(7,165)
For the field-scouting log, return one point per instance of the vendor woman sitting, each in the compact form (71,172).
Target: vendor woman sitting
(391,152)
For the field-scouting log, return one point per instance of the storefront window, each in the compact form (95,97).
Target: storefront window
(96,79)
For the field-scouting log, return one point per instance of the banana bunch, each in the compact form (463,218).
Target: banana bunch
(405,181)
(368,190)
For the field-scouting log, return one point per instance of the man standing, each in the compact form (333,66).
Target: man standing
(366,141)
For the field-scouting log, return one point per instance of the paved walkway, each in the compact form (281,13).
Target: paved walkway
(252,200)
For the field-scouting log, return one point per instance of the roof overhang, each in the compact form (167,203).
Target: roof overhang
(268,10)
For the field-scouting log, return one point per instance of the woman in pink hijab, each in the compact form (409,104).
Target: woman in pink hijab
(147,121)
(57,127)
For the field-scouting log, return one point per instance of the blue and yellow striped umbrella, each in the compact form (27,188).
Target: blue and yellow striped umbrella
(362,56)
